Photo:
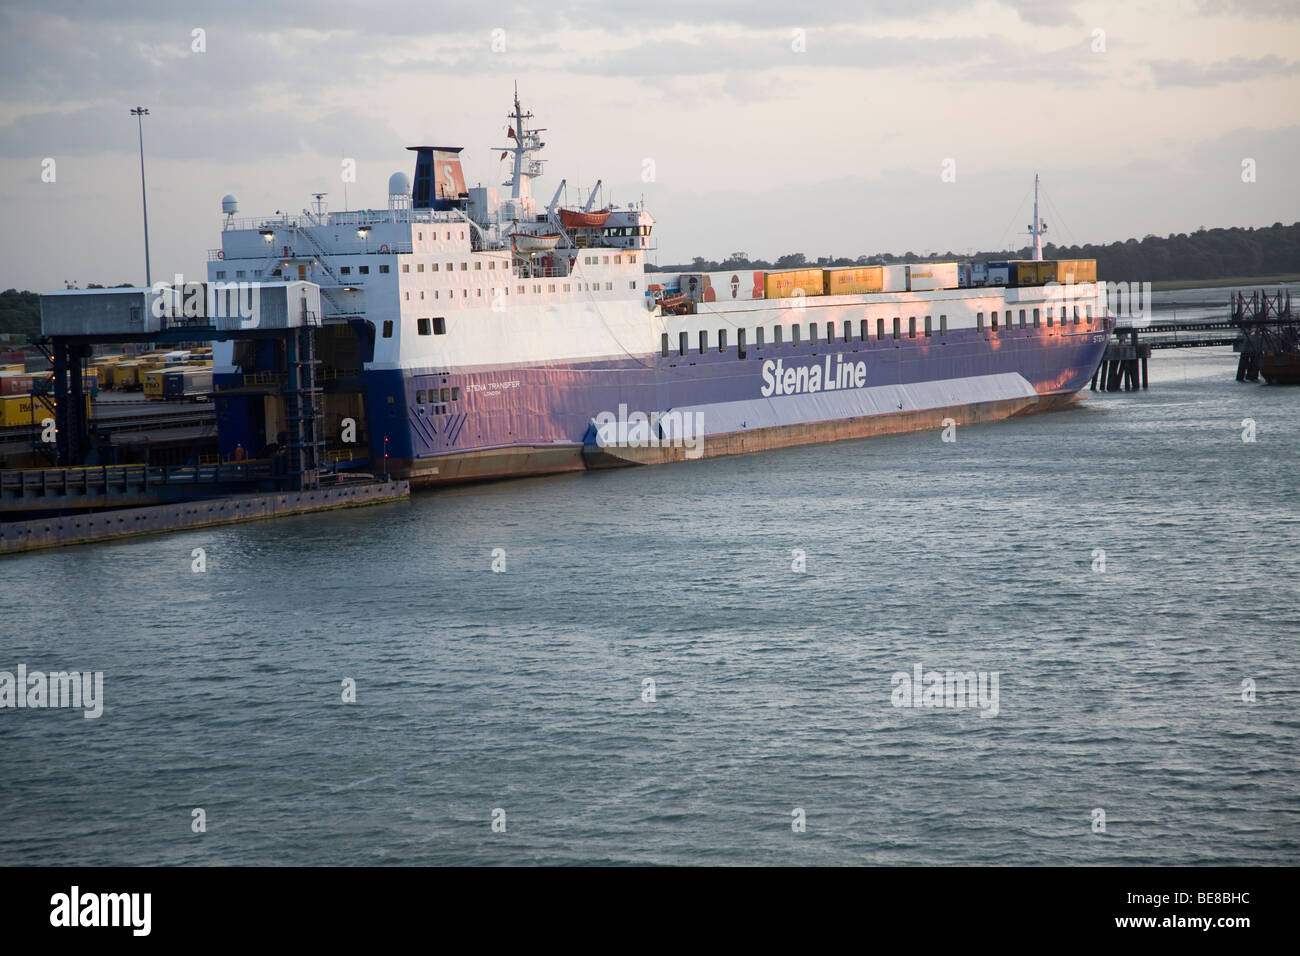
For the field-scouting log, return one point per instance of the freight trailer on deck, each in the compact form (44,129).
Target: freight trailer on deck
(153,380)
(17,411)
(187,383)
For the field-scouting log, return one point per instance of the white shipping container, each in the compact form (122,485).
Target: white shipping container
(895,279)
(726,286)
(733,285)
(932,275)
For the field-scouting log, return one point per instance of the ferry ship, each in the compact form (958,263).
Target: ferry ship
(471,334)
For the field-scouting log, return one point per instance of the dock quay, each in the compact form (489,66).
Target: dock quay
(1260,327)
(85,528)
(270,436)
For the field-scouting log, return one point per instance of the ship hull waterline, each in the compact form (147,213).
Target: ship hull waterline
(498,464)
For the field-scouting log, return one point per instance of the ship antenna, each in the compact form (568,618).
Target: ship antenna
(1037,227)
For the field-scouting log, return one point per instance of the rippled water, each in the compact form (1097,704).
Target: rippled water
(1119,690)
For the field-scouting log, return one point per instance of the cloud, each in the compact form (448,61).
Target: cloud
(199,133)
(1238,69)
(1252,9)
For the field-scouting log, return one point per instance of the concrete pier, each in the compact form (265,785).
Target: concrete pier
(20,536)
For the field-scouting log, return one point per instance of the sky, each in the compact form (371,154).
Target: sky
(840,128)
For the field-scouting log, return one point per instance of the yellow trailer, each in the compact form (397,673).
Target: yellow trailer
(19,410)
(152,381)
(126,374)
(855,280)
(783,285)
(1076,270)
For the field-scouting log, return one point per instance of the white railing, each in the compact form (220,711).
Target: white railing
(356,217)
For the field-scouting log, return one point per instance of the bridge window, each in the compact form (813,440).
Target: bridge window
(439,326)
(345,270)
(477,265)
(419,267)
(406,267)
(423,326)
(383,269)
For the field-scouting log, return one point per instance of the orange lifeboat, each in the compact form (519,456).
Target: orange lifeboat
(577,219)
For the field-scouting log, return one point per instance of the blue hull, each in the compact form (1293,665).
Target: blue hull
(471,424)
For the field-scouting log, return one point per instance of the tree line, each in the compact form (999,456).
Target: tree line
(1203,254)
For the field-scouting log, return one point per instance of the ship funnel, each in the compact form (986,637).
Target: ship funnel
(439,181)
